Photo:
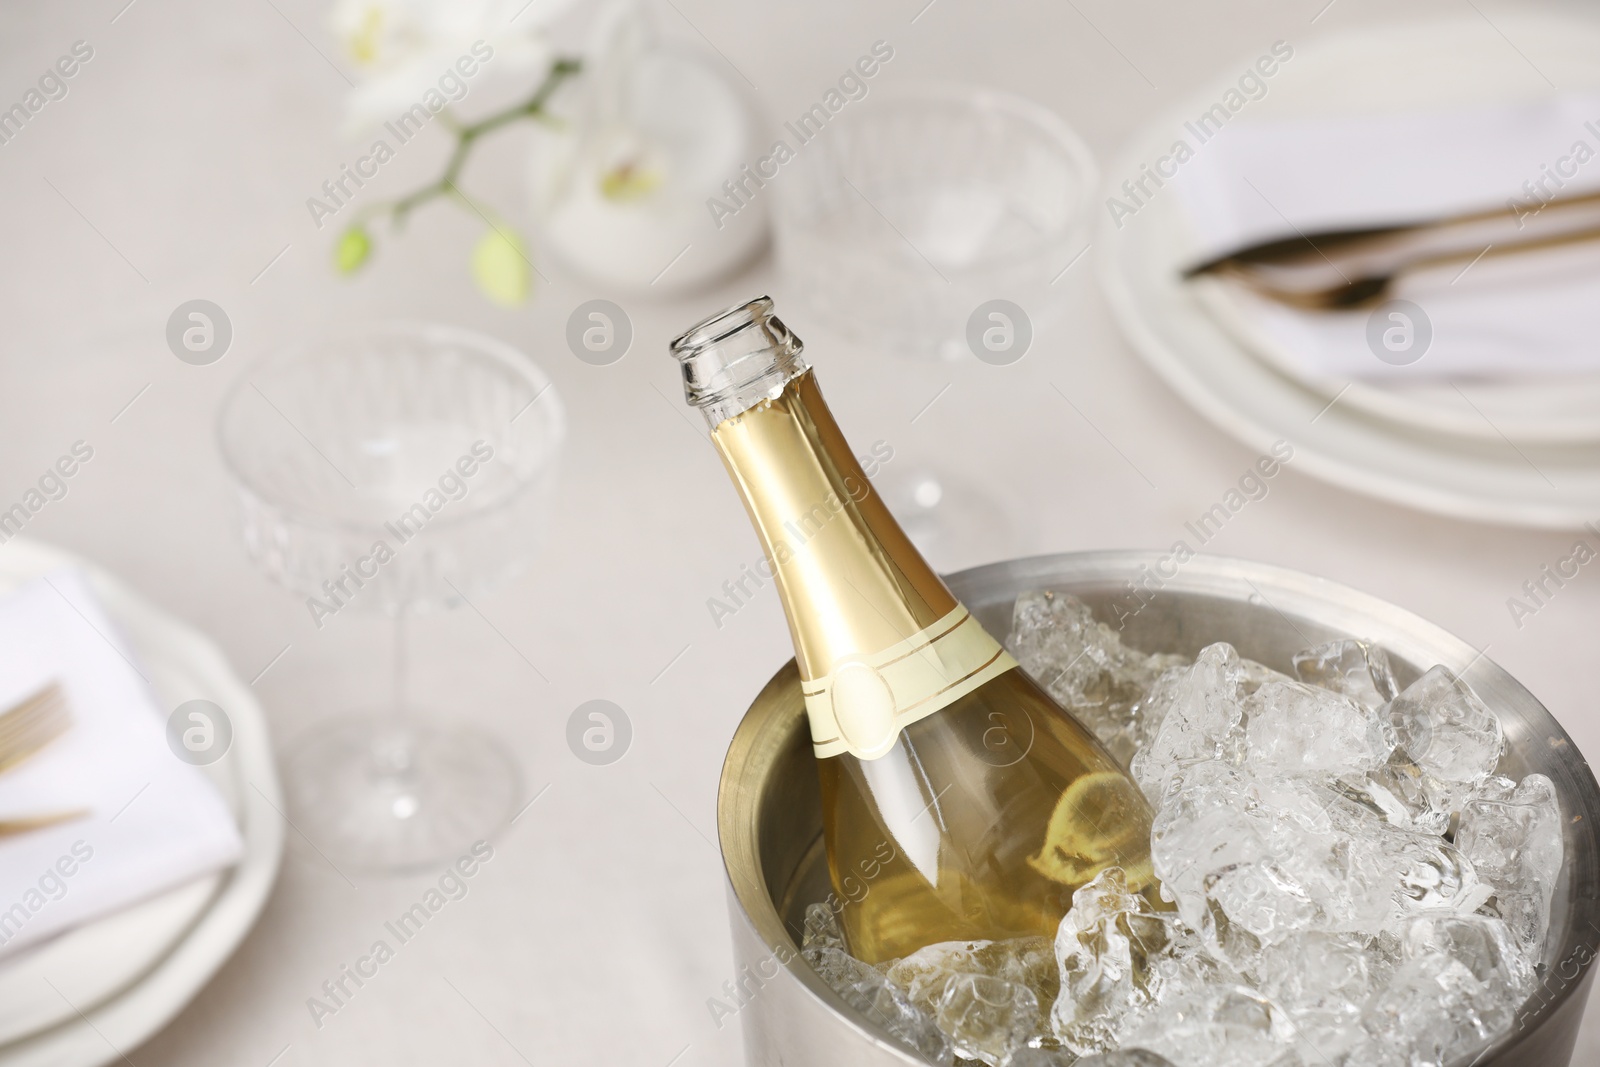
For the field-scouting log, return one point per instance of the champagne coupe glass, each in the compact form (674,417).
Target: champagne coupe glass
(911,209)
(401,468)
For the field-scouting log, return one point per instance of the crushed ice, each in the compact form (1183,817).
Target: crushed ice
(1353,882)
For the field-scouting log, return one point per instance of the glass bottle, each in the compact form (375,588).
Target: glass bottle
(959,801)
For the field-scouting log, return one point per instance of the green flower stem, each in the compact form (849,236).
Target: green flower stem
(468,135)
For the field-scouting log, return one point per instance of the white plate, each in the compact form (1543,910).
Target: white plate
(97,960)
(1446,64)
(1546,484)
(128,975)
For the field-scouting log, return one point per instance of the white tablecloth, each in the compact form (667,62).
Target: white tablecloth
(177,167)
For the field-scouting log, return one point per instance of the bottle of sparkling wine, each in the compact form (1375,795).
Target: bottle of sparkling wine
(959,801)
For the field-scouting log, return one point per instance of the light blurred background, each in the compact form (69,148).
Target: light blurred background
(177,167)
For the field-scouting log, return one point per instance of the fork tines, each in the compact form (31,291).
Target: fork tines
(32,723)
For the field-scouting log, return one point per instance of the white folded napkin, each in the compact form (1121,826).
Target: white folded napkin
(155,822)
(1528,314)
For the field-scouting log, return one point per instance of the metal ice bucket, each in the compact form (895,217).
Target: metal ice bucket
(769,819)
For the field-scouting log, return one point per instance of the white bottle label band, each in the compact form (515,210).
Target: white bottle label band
(863,703)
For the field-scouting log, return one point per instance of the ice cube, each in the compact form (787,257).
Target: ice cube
(836,967)
(868,991)
(1358,669)
(1052,1057)
(1201,721)
(1481,943)
(1405,796)
(1363,871)
(1262,898)
(1270,856)
(1513,839)
(877,999)
(1433,1011)
(1085,665)
(1496,787)
(1127,1057)
(1205,823)
(1446,730)
(987,1018)
(1163,693)
(1435,875)
(1313,878)
(1322,980)
(822,928)
(1294,728)
(882,1002)
(822,946)
(1220,1026)
(924,973)
(1029,962)
(1266,853)
(1106,945)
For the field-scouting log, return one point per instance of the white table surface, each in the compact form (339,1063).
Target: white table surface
(180,163)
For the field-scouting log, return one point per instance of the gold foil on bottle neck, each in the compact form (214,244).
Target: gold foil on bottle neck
(854,588)
(850,579)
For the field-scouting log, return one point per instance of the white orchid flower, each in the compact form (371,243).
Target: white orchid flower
(402,47)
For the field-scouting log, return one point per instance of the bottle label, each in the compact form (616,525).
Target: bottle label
(863,703)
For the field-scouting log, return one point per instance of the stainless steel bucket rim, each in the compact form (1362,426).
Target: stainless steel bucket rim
(1404,635)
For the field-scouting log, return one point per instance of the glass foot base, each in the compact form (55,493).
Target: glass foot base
(387,794)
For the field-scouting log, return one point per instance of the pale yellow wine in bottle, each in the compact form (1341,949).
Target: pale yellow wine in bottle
(959,801)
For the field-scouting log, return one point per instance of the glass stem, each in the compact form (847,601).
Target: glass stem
(400,660)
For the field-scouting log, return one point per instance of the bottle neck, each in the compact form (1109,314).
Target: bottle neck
(851,582)
(880,641)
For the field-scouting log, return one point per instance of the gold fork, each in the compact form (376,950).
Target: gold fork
(1367,290)
(9,827)
(1337,270)
(31,723)
(25,728)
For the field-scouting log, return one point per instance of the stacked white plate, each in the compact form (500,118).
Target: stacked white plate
(1525,452)
(93,994)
